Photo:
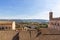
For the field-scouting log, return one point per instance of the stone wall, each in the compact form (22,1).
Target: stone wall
(7,35)
(43,34)
(54,24)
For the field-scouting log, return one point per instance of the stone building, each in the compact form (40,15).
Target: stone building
(7,25)
(54,23)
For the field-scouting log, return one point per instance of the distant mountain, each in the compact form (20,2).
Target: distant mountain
(35,20)
(26,20)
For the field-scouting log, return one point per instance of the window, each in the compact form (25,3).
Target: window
(2,28)
(6,27)
(52,23)
(57,24)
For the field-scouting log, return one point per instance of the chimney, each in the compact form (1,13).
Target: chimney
(50,15)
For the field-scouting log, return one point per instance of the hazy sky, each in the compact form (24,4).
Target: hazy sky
(28,9)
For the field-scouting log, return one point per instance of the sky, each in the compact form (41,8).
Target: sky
(29,9)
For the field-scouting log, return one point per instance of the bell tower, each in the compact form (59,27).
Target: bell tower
(50,15)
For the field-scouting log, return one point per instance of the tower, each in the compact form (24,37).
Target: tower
(13,25)
(50,15)
(50,19)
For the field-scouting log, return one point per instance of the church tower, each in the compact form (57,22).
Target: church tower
(50,15)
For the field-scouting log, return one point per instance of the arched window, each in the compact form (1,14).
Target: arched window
(6,27)
(2,28)
(52,23)
(57,24)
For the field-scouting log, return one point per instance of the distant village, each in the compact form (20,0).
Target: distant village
(16,25)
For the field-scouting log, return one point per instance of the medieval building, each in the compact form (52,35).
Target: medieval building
(54,23)
(7,25)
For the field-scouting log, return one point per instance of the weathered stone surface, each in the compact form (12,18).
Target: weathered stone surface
(43,34)
(7,35)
